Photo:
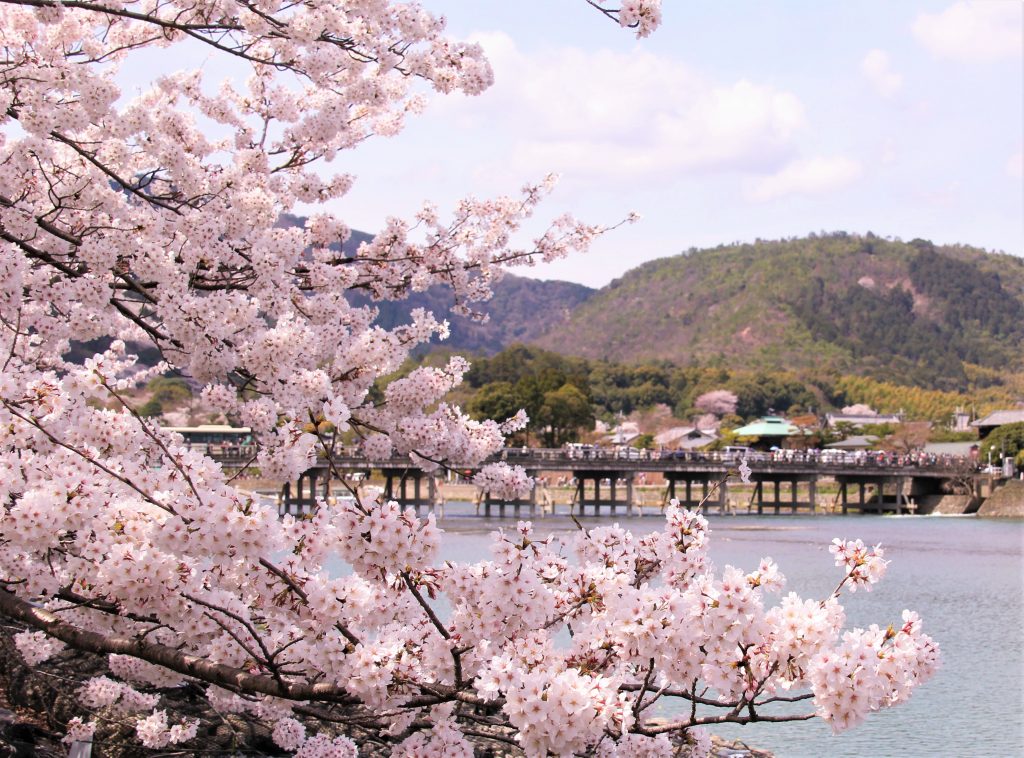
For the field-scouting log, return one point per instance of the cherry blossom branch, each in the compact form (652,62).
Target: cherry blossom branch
(643,689)
(456,652)
(229,677)
(89,459)
(673,726)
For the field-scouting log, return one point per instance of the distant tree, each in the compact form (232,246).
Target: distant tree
(707,421)
(497,400)
(763,393)
(1007,440)
(859,409)
(169,390)
(907,437)
(731,421)
(644,442)
(151,408)
(843,429)
(718,402)
(564,413)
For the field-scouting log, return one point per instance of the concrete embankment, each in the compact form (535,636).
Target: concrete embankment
(947,505)
(1006,502)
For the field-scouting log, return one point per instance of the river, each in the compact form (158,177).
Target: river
(964,575)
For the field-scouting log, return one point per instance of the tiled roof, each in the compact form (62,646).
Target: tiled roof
(670,436)
(853,443)
(861,419)
(999,418)
(769,426)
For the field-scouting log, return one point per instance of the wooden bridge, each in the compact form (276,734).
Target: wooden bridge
(786,481)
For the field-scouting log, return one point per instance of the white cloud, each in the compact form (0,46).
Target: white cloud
(878,72)
(804,177)
(1015,165)
(973,31)
(639,114)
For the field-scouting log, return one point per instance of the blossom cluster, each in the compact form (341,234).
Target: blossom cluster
(865,565)
(643,15)
(36,647)
(871,669)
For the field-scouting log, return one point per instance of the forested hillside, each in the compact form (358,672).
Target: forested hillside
(947,318)
(911,313)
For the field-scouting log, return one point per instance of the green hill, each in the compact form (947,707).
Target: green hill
(942,317)
(910,313)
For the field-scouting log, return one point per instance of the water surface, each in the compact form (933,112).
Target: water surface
(965,576)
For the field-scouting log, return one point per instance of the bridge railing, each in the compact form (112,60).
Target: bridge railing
(654,460)
(755,459)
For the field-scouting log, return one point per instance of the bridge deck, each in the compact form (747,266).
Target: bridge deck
(603,468)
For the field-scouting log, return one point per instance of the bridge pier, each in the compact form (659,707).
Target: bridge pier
(605,482)
(488,501)
(794,503)
(515,505)
(706,480)
(304,498)
(901,486)
(406,487)
(612,501)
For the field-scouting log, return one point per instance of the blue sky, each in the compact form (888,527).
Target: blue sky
(733,121)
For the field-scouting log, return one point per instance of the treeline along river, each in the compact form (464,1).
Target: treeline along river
(964,575)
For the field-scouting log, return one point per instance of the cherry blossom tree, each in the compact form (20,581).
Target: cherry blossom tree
(717,402)
(152,223)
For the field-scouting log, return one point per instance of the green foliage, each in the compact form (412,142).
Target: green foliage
(553,390)
(563,413)
(624,389)
(519,363)
(497,400)
(169,390)
(881,330)
(1007,440)
(971,297)
(824,305)
(887,397)
(763,393)
(644,442)
(878,430)
(151,408)
(524,374)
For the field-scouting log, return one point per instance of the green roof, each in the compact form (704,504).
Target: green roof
(769,426)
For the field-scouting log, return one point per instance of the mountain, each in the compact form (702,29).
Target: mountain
(521,311)
(908,312)
(913,313)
